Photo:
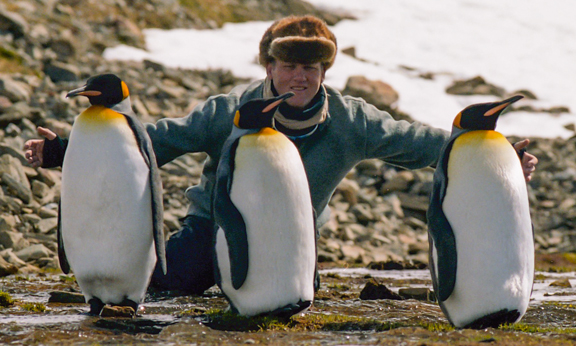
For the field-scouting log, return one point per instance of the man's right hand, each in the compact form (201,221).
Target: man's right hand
(33,148)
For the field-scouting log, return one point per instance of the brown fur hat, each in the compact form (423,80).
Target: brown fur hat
(298,39)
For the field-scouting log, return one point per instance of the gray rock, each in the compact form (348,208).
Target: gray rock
(20,190)
(40,190)
(10,257)
(14,152)
(46,212)
(5,103)
(7,268)
(475,86)
(62,72)
(47,225)
(13,240)
(11,204)
(15,91)
(34,252)
(376,92)
(66,297)
(13,23)
(7,222)
(374,290)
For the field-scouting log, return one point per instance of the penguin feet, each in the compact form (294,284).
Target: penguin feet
(126,308)
(495,319)
(96,306)
(289,310)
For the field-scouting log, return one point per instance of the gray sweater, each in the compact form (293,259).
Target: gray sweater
(354,131)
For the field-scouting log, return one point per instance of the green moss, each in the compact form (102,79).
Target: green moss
(560,305)
(8,54)
(437,327)
(570,257)
(555,269)
(34,307)
(528,328)
(5,299)
(67,279)
(540,277)
(227,320)
(339,286)
(321,322)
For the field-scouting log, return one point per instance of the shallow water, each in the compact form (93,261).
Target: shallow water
(339,316)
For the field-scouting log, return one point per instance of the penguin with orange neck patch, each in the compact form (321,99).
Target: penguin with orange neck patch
(266,238)
(480,230)
(111,217)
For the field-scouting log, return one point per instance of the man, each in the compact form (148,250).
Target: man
(332,133)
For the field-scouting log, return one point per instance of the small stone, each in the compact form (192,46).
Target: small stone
(374,290)
(418,293)
(117,311)
(66,297)
(564,283)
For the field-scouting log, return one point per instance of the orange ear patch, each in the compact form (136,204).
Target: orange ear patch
(457,121)
(496,109)
(125,92)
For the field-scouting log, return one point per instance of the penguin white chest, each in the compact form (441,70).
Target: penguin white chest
(106,210)
(270,189)
(486,204)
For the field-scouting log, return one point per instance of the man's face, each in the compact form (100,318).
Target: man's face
(302,79)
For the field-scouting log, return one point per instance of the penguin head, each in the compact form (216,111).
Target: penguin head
(259,113)
(105,90)
(482,116)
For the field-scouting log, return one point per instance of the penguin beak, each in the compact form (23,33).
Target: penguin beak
(500,106)
(277,101)
(83,92)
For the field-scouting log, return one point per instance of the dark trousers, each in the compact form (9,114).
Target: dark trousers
(189,258)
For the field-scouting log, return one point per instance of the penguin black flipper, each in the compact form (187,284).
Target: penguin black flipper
(228,217)
(64,265)
(145,145)
(442,236)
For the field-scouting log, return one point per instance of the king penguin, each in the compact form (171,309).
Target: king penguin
(111,217)
(480,230)
(265,243)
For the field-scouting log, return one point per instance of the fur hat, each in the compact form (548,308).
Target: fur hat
(298,39)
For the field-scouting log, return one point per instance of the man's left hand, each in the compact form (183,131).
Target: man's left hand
(529,161)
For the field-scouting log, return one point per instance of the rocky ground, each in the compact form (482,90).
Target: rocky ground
(48,48)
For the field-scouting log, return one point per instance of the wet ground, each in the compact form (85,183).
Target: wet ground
(338,316)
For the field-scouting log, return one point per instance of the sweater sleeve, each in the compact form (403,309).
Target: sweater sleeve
(201,130)
(398,142)
(53,152)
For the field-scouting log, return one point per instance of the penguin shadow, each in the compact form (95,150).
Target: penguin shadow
(130,326)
